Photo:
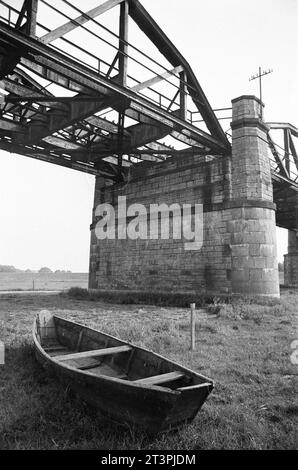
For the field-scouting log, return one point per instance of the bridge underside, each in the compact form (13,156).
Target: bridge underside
(286,200)
(99,119)
(64,104)
(284,165)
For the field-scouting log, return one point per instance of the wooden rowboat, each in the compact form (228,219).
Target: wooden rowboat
(128,384)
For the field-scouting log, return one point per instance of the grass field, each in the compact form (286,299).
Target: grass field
(51,281)
(42,281)
(246,349)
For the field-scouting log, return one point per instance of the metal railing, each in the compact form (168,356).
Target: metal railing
(10,15)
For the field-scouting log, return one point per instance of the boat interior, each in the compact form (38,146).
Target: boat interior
(100,354)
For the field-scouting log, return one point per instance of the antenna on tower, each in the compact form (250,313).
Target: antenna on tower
(259,76)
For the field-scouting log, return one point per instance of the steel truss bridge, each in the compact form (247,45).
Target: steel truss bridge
(76,92)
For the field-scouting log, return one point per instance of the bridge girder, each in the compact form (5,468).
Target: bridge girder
(45,124)
(284,160)
(69,130)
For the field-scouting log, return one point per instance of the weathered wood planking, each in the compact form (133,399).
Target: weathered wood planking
(126,383)
(94,353)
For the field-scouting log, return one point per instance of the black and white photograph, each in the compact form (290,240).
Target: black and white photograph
(149,228)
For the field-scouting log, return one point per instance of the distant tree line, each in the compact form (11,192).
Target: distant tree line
(48,270)
(11,269)
(280,267)
(8,269)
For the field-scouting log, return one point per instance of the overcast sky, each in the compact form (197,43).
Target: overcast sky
(46,210)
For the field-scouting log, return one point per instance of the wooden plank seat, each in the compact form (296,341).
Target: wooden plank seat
(159,379)
(94,353)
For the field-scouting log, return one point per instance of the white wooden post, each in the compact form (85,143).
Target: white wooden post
(192,327)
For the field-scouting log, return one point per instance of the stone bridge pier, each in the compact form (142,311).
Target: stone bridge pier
(252,227)
(238,254)
(291,260)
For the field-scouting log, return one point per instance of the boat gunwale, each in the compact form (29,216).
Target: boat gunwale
(83,373)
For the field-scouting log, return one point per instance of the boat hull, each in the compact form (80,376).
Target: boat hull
(153,408)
